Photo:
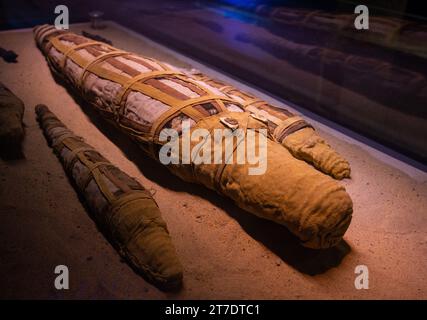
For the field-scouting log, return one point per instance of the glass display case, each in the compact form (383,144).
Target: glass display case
(338,90)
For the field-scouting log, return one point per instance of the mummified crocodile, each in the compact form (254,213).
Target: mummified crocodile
(143,96)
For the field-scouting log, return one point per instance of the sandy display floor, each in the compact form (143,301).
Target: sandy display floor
(226,252)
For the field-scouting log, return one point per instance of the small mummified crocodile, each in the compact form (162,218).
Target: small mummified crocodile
(122,208)
(143,96)
(11,125)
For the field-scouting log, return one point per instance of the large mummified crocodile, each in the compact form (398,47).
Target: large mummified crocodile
(143,96)
(123,209)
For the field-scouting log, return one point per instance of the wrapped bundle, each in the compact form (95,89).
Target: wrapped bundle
(143,97)
(11,114)
(122,208)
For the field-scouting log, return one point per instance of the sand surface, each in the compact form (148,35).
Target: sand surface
(226,252)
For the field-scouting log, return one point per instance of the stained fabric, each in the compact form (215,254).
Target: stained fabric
(123,209)
(143,96)
(11,115)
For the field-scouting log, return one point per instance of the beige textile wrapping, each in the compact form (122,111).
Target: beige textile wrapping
(11,114)
(123,209)
(142,96)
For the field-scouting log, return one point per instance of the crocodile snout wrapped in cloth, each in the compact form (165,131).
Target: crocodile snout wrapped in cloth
(143,96)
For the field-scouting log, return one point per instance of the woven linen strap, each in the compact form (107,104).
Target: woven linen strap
(134,195)
(248,102)
(132,201)
(182,107)
(99,59)
(47,32)
(56,42)
(99,175)
(220,171)
(94,172)
(61,138)
(218,101)
(121,97)
(253,102)
(185,107)
(76,152)
(73,49)
(226,89)
(286,124)
(40,29)
(284,127)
